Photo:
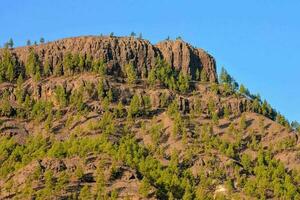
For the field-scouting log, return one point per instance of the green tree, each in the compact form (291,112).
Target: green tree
(68,65)
(7,66)
(28,43)
(173,109)
(243,123)
(5,107)
(42,40)
(130,73)
(99,67)
(61,96)
(10,73)
(151,77)
(85,193)
(203,75)
(145,187)
(215,118)
(81,64)
(134,107)
(32,65)
(19,92)
(183,82)
(110,95)
(243,90)
(226,112)
(10,43)
(146,104)
(47,68)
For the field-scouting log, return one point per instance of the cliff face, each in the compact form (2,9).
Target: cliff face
(118,51)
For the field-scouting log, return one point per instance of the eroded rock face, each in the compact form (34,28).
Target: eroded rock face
(119,51)
(183,56)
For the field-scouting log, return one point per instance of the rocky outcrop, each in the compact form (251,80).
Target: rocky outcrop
(119,51)
(183,56)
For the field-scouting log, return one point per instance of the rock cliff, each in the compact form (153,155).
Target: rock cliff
(118,51)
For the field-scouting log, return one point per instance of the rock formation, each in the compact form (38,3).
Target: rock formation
(119,51)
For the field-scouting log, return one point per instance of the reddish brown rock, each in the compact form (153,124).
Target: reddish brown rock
(119,51)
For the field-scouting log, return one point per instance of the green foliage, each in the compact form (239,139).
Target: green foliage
(243,122)
(226,112)
(85,193)
(76,99)
(61,96)
(134,107)
(244,90)
(156,133)
(32,66)
(151,77)
(230,85)
(203,76)
(19,92)
(183,82)
(40,110)
(120,110)
(173,109)
(145,187)
(5,107)
(68,64)
(99,67)
(215,118)
(130,73)
(42,40)
(7,66)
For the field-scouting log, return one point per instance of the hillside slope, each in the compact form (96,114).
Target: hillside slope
(120,118)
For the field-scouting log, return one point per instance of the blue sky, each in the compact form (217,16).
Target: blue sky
(257,41)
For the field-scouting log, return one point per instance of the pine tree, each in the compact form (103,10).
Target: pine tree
(99,67)
(130,73)
(42,40)
(81,63)
(110,95)
(10,73)
(183,82)
(5,107)
(7,70)
(85,193)
(32,64)
(134,107)
(204,75)
(144,187)
(10,43)
(19,90)
(215,118)
(226,112)
(151,77)
(243,123)
(68,66)
(47,68)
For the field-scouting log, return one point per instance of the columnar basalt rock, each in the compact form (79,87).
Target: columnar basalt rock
(119,51)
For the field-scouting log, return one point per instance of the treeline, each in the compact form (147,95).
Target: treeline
(230,87)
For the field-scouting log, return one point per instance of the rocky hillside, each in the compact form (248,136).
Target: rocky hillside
(119,51)
(120,118)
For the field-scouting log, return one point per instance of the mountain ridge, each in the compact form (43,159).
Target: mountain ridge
(118,51)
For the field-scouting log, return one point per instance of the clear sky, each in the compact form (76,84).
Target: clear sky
(257,41)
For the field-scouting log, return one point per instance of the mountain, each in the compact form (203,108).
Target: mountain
(120,118)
